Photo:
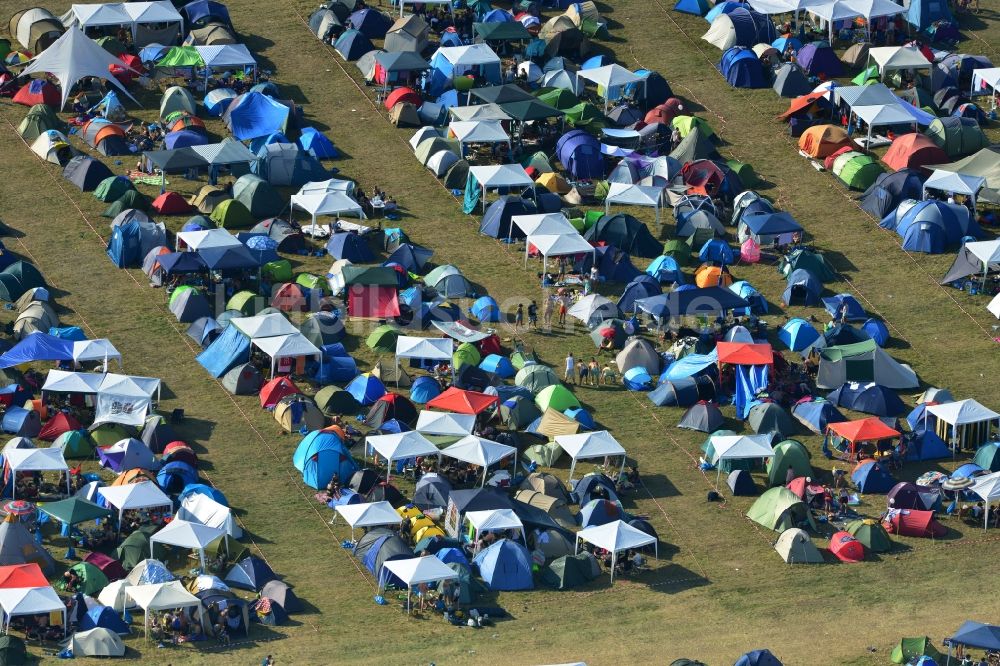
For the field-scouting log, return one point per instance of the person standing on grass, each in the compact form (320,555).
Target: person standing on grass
(562,310)
(595,372)
(532,315)
(584,372)
(519,316)
(547,311)
(570,375)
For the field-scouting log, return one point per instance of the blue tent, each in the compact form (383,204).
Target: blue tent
(257,145)
(877,330)
(497,219)
(451,39)
(204,10)
(642,286)
(226,351)
(320,455)
(184,138)
(770,224)
(854,310)
(749,293)
(637,379)
(665,269)
(252,115)
(317,143)
(371,23)
(498,365)
(741,68)
(922,13)
(580,154)
(725,7)
(485,309)
(717,250)
(967,470)
(868,398)
(696,7)
(581,416)
(217,101)
(285,164)
(335,370)
(175,476)
(352,44)
(452,556)
(230,258)
(202,489)
(758,658)
(105,617)
(817,414)
(782,43)
(803,288)
(352,247)
(411,257)
(366,388)
(498,16)
(798,334)
(751,28)
(251,573)
(931,226)
(612,265)
(872,477)
(916,417)
(506,565)
(926,445)
(38,347)
(125,248)
(424,389)
(601,512)
(72,333)
(891,189)
(21,421)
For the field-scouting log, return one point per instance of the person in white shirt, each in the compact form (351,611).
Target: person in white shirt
(570,375)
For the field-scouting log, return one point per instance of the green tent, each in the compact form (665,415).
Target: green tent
(17,279)
(539,160)
(744,172)
(480,7)
(530,109)
(244,301)
(74,444)
(988,457)
(74,510)
(135,548)
(958,136)
(178,292)
(112,188)
(520,359)
(857,170)
(910,649)
(501,31)
(4,48)
(40,119)
(559,98)
(381,276)
(277,271)
(600,191)
(235,551)
(259,197)
(112,46)
(132,199)
(314,282)
(383,339)
(466,353)
(867,75)
(92,579)
(871,534)
(687,123)
(568,571)
(812,261)
(584,114)
(107,434)
(679,251)
(780,509)
(333,400)
(545,455)
(13,652)
(518,412)
(181,56)
(231,214)
(788,453)
(556,397)
(535,377)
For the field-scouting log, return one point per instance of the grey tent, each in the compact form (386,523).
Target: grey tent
(457,175)
(258,196)
(856,56)
(638,353)
(407,34)
(333,400)
(279,591)
(325,24)
(287,165)
(683,392)
(770,417)
(204,330)
(17,547)
(244,379)
(789,81)
(690,223)
(519,412)
(695,146)
(323,328)
(286,234)
(966,264)
(795,547)
(432,492)
(702,416)
(157,433)
(86,172)
(189,306)
(569,571)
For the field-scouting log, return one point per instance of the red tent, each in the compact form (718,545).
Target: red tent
(57,425)
(403,94)
(180,452)
(372,301)
(171,203)
(744,353)
(913,522)
(22,575)
(702,176)
(288,297)
(463,402)
(39,91)
(914,151)
(832,157)
(804,488)
(275,390)
(123,72)
(846,548)
(108,565)
(489,345)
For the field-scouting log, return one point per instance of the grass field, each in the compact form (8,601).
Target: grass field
(719,588)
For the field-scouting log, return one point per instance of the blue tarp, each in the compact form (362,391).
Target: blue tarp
(228,350)
(689,366)
(750,379)
(68,333)
(38,347)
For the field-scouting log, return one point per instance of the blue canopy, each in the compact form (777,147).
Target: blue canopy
(74,333)
(38,347)
(689,366)
(181,262)
(977,635)
(771,224)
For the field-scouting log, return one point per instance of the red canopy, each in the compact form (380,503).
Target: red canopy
(463,402)
(744,353)
(22,575)
(863,430)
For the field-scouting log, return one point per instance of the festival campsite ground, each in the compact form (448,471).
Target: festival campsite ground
(719,588)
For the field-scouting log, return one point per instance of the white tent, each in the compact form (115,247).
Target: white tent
(430,349)
(399,446)
(425,132)
(881,115)
(206,238)
(325,203)
(96,350)
(17,601)
(556,245)
(142,495)
(36,460)
(162,596)
(264,326)
(75,56)
(370,514)
(740,447)
(586,445)
(634,195)
(591,307)
(616,537)
(966,417)
(61,381)
(548,224)
(494,176)
(187,534)
(200,508)
(125,399)
(292,345)
(463,58)
(445,423)
(415,571)
(478,131)
(611,79)
(994,306)
(493,520)
(489,111)
(955,183)
(114,595)
(478,451)
(983,79)
(891,58)
(987,487)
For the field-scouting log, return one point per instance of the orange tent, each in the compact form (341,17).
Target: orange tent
(136,475)
(463,402)
(744,353)
(22,575)
(914,151)
(107,129)
(821,140)
(187,121)
(712,276)
(801,103)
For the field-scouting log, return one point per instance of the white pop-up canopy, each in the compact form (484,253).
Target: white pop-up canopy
(464,57)
(616,537)
(200,508)
(62,381)
(36,460)
(478,451)
(739,447)
(983,79)
(891,58)
(162,596)
(955,183)
(489,111)
(987,487)
(187,534)
(75,56)
(134,15)
(207,238)
(125,399)
(493,176)
(834,11)
(17,601)
(291,345)
(325,203)
(611,79)
(399,446)
(987,252)
(634,195)
(556,245)
(415,571)
(369,514)
(545,224)
(585,445)
(968,419)
(478,131)
(226,55)
(881,115)
(426,349)
(451,8)
(493,520)
(445,423)
(142,495)
(96,350)
(264,326)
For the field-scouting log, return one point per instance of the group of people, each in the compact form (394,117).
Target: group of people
(589,373)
